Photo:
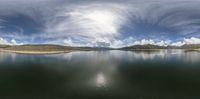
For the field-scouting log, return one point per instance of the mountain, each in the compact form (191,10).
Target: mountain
(147,46)
(59,48)
(150,46)
(4,46)
(191,46)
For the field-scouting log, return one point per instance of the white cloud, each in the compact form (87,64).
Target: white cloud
(192,40)
(14,42)
(152,42)
(6,42)
(143,42)
(179,43)
(90,22)
(69,42)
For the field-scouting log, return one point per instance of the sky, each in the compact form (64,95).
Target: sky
(100,23)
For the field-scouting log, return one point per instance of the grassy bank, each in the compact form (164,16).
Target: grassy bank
(41,49)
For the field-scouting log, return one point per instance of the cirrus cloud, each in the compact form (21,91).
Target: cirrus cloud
(108,23)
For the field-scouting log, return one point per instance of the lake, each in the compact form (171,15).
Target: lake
(159,74)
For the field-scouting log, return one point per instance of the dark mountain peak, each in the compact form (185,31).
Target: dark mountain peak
(194,46)
(146,46)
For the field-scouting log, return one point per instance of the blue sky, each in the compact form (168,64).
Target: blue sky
(105,23)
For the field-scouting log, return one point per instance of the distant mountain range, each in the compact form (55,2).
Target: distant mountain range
(150,46)
(50,47)
(191,46)
(147,46)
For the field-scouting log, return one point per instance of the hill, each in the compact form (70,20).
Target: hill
(49,48)
(4,46)
(139,47)
(149,46)
(191,46)
(43,49)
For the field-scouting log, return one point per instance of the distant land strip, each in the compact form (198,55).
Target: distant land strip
(54,49)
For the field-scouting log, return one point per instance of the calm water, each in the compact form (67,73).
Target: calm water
(164,74)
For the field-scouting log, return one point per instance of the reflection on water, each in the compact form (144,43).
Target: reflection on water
(100,80)
(158,74)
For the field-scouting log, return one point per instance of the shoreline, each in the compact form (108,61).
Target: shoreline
(34,52)
(59,52)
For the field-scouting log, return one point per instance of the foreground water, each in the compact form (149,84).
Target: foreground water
(162,74)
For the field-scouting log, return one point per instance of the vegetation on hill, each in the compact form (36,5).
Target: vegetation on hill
(191,46)
(4,46)
(149,46)
(43,47)
(51,48)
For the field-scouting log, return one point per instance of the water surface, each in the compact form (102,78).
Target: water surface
(162,74)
